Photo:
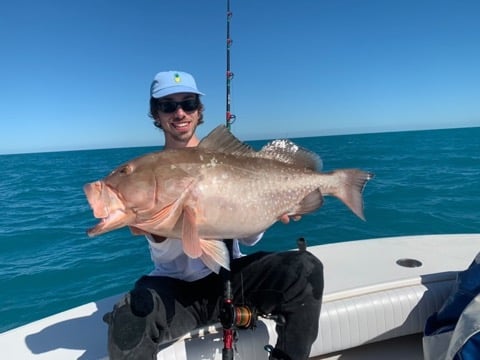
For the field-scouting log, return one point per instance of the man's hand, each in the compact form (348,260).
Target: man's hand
(286,219)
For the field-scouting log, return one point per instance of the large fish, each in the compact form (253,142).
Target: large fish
(220,189)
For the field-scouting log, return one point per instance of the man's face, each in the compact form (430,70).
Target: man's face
(178,121)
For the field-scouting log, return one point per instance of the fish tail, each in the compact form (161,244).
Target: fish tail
(352,183)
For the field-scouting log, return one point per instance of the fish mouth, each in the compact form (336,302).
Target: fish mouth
(106,206)
(113,221)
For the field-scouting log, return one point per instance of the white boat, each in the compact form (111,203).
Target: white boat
(378,295)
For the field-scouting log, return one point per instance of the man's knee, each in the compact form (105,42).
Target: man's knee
(305,265)
(131,325)
(141,302)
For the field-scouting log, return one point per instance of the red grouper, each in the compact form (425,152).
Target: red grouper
(221,189)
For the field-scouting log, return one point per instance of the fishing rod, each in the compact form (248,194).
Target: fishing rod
(232,316)
(230,118)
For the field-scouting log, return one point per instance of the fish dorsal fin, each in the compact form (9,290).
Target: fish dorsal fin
(222,140)
(290,153)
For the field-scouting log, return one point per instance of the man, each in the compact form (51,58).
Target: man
(181,293)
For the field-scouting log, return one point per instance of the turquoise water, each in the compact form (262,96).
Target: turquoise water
(427,182)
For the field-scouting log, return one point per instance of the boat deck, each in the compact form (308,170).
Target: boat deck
(369,298)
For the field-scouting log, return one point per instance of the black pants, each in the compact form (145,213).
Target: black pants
(159,309)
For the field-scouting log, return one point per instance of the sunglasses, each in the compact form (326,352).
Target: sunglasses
(172,106)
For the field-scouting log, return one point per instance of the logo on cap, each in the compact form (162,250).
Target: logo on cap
(177,78)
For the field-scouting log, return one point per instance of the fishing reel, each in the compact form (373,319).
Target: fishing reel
(238,317)
(233,317)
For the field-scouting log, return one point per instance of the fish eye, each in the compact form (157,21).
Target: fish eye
(125,170)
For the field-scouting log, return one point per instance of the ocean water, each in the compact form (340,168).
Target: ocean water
(427,182)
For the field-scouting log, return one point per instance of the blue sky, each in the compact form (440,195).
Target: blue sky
(76,74)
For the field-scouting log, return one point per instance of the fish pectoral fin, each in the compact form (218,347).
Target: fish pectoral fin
(190,237)
(215,255)
(167,216)
(309,203)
